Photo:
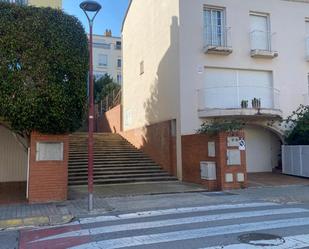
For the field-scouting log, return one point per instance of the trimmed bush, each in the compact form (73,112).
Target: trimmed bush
(43,69)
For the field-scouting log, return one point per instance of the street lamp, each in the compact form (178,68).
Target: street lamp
(94,8)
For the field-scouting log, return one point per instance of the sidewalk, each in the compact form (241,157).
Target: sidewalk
(20,215)
(137,197)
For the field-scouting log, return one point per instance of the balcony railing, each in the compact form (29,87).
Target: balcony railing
(230,97)
(261,44)
(217,37)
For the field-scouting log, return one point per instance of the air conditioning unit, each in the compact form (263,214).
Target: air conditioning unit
(208,171)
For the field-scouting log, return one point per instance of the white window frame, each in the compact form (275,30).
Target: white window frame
(119,60)
(223,35)
(100,63)
(267,16)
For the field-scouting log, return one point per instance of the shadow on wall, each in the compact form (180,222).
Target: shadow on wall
(159,137)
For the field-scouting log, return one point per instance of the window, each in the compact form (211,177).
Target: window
(119,78)
(214,21)
(118,45)
(103,60)
(119,63)
(260,32)
(141,68)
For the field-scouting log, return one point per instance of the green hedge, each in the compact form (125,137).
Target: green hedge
(43,69)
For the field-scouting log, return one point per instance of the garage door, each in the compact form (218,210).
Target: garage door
(262,150)
(226,88)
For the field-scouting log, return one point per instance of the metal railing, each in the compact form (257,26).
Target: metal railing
(230,97)
(109,102)
(217,36)
(261,40)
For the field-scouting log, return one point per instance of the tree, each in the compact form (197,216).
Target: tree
(298,123)
(43,69)
(104,86)
(215,126)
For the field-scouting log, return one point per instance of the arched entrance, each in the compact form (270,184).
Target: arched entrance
(263,150)
(13,167)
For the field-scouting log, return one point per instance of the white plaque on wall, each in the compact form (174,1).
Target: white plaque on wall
(233,141)
(49,151)
(233,157)
(211,149)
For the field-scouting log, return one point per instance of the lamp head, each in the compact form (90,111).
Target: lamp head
(90,6)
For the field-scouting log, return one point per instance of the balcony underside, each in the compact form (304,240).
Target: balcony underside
(257,53)
(240,112)
(222,50)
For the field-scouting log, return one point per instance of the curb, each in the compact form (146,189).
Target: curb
(35,221)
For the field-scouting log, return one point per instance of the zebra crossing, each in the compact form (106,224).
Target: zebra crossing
(203,227)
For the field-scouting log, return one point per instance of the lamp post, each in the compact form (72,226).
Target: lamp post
(90,7)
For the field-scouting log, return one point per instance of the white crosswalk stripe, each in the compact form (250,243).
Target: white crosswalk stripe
(176,211)
(193,234)
(174,222)
(184,225)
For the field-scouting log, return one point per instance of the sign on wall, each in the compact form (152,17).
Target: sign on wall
(242,144)
(233,157)
(233,141)
(211,149)
(49,151)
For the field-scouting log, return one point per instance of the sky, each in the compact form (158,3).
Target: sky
(110,16)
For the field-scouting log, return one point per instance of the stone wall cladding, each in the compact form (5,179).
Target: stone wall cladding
(48,180)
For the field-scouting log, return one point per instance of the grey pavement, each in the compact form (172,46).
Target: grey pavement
(263,225)
(9,240)
(286,215)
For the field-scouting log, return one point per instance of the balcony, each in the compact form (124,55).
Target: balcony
(227,101)
(217,40)
(261,44)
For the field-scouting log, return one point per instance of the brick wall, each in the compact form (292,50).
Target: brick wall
(230,169)
(195,150)
(48,180)
(156,141)
(110,121)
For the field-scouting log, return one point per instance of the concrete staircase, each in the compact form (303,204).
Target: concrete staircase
(115,161)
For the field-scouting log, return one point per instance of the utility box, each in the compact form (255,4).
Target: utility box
(208,171)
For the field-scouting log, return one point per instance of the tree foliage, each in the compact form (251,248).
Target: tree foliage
(216,126)
(104,87)
(43,69)
(298,123)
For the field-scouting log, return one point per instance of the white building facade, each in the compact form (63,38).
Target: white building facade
(193,61)
(107,56)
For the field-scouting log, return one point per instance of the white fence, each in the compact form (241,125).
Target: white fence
(295,160)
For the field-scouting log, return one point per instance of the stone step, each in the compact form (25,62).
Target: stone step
(118,174)
(108,160)
(103,169)
(111,157)
(125,180)
(97,165)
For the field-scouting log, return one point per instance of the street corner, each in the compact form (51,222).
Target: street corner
(35,221)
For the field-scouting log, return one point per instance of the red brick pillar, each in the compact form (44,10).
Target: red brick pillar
(229,176)
(48,178)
